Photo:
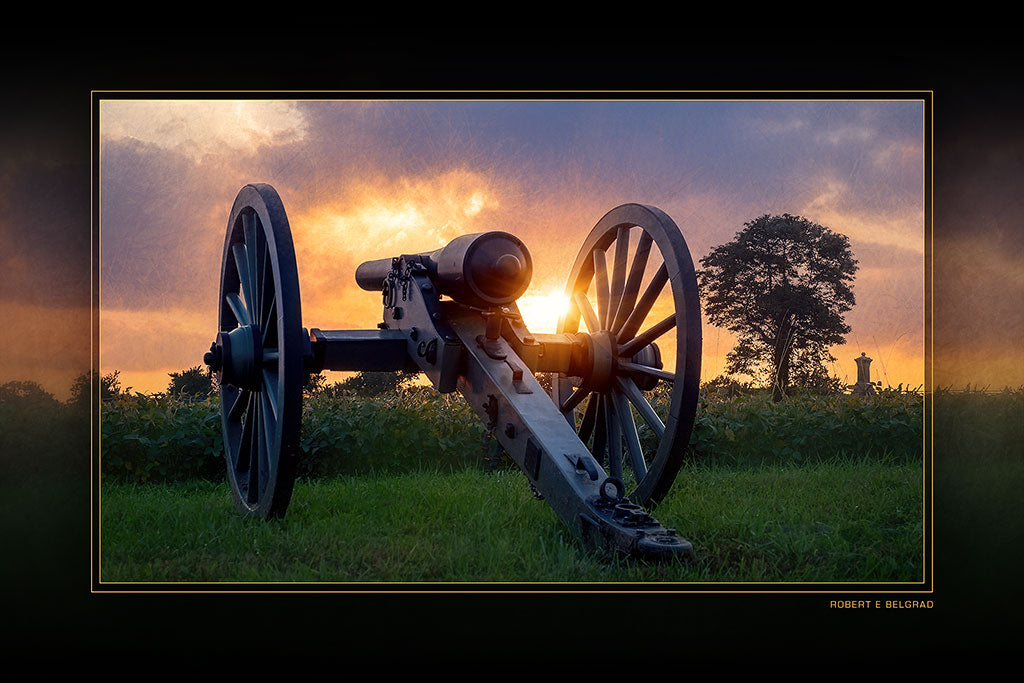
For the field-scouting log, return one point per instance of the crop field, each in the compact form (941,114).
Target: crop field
(159,439)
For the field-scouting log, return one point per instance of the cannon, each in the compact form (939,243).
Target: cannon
(452,314)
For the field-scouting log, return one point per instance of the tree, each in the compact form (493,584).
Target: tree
(316,383)
(195,382)
(110,387)
(783,285)
(26,393)
(371,383)
(809,371)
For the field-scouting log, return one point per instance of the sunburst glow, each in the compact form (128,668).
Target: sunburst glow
(541,310)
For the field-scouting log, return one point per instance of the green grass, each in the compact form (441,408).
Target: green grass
(840,521)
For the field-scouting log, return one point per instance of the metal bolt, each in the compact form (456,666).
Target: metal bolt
(213,357)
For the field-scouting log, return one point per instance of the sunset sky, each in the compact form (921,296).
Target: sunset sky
(365,180)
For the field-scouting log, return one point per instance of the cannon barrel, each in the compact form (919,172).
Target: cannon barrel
(481,269)
(370,274)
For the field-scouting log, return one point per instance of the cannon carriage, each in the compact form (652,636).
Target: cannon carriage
(452,314)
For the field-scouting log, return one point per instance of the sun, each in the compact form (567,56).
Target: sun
(541,310)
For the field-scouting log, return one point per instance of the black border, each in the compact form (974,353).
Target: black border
(51,616)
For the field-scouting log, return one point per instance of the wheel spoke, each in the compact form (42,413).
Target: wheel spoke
(601,283)
(238,309)
(647,370)
(589,416)
(639,314)
(574,400)
(239,404)
(600,430)
(618,272)
(270,389)
(252,251)
(638,342)
(266,442)
(269,427)
(636,397)
(636,276)
(253,492)
(636,452)
(245,442)
(614,438)
(266,284)
(242,266)
(270,322)
(583,304)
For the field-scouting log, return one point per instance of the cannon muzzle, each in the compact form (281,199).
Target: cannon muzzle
(482,269)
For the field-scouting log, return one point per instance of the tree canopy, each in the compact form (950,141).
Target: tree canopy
(195,382)
(782,285)
(109,384)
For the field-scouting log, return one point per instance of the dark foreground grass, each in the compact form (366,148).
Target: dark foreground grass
(842,521)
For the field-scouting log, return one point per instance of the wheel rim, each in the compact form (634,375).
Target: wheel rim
(603,408)
(262,355)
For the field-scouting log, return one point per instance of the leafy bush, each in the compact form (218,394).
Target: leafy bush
(752,430)
(168,438)
(988,426)
(412,428)
(161,438)
(147,438)
(367,384)
(40,437)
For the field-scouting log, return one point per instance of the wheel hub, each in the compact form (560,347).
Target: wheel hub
(235,357)
(604,362)
(603,354)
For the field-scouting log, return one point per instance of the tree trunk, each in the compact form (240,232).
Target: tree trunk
(780,360)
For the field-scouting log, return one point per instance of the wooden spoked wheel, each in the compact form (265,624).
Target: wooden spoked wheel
(625,349)
(259,353)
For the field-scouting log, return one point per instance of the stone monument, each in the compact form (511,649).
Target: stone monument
(863,386)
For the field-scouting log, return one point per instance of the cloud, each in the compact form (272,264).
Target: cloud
(44,228)
(832,205)
(162,224)
(44,343)
(176,338)
(199,128)
(370,219)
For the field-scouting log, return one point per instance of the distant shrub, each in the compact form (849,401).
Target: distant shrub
(370,384)
(196,382)
(84,385)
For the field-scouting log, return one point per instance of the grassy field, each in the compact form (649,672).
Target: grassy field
(810,489)
(838,521)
